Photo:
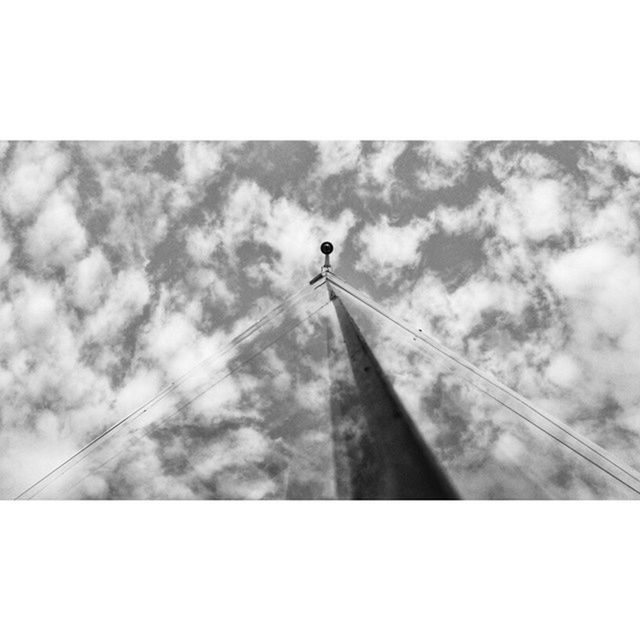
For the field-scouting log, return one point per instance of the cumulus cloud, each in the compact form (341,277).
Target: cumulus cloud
(628,155)
(601,284)
(385,249)
(121,268)
(200,160)
(201,245)
(173,341)
(563,370)
(444,163)
(129,205)
(238,448)
(614,221)
(56,238)
(544,310)
(126,300)
(35,303)
(90,280)
(539,206)
(45,378)
(337,156)
(378,167)
(289,231)
(450,152)
(33,173)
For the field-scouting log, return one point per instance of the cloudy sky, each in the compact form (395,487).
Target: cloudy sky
(124,264)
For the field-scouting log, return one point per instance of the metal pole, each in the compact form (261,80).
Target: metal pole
(379,451)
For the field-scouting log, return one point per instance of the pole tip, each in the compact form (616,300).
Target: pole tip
(326,248)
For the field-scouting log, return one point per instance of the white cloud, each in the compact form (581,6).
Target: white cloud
(126,300)
(175,344)
(90,280)
(47,385)
(142,385)
(200,160)
(614,221)
(600,286)
(56,238)
(245,486)
(337,156)
(605,280)
(172,340)
(539,206)
(384,249)
(202,243)
(33,174)
(563,370)
(477,219)
(506,160)
(35,309)
(209,282)
(583,348)
(450,152)
(136,205)
(241,447)
(444,163)
(452,316)
(48,425)
(378,167)
(628,154)
(293,234)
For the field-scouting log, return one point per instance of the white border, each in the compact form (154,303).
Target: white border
(318,570)
(291,70)
(336,69)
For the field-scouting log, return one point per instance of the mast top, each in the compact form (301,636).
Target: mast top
(326,248)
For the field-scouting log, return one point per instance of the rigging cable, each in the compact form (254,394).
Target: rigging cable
(37,487)
(357,295)
(486,392)
(172,386)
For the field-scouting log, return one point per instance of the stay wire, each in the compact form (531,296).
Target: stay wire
(138,436)
(171,416)
(443,351)
(514,395)
(564,443)
(154,426)
(172,386)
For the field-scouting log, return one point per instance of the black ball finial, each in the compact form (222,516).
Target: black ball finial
(326,248)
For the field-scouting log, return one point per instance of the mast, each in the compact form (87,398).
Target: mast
(379,452)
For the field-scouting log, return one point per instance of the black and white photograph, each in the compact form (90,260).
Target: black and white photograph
(319,320)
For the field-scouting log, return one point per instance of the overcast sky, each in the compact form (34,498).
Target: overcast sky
(123,264)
